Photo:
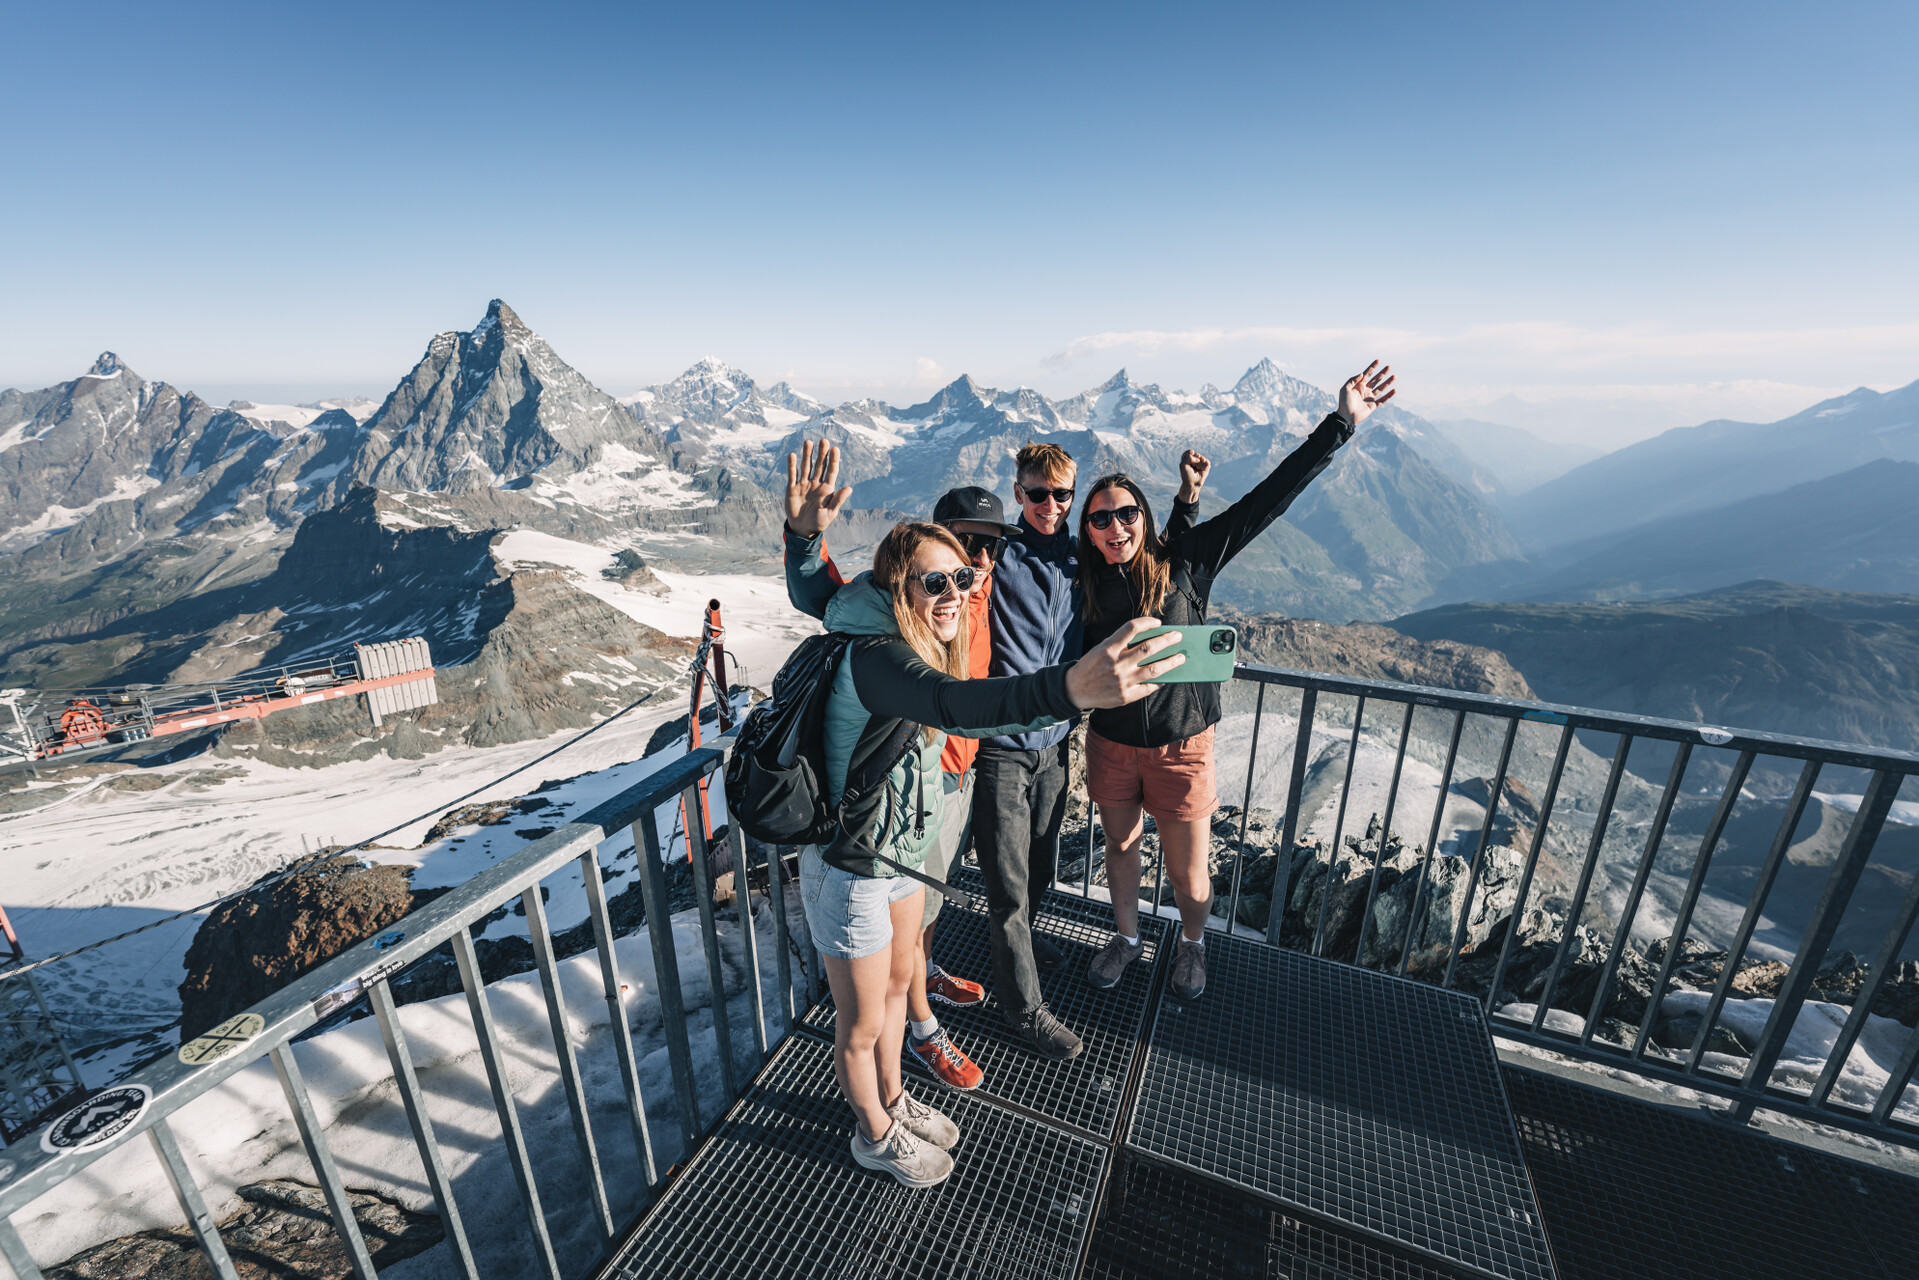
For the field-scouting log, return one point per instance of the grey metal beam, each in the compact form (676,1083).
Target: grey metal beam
(1245,810)
(192,1203)
(548,966)
(1339,829)
(1586,870)
(1622,934)
(666,975)
(313,1137)
(617,1025)
(1432,842)
(503,1106)
(696,854)
(1882,965)
(1682,920)
(1518,915)
(1498,784)
(1755,905)
(749,940)
(1385,830)
(1289,825)
(380,996)
(14,1250)
(1881,789)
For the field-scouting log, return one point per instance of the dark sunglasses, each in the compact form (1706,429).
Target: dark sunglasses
(1104,519)
(1036,496)
(978,542)
(935,583)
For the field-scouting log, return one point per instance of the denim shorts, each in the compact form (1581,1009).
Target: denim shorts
(849,916)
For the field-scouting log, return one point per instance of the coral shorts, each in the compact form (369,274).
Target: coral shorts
(1173,783)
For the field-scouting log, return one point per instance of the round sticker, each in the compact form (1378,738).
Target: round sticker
(222,1040)
(1717,737)
(99,1119)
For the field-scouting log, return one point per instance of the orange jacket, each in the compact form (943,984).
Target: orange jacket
(959,752)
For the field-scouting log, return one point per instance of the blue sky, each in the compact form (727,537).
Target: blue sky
(1704,206)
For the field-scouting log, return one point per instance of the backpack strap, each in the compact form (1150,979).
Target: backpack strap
(881,746)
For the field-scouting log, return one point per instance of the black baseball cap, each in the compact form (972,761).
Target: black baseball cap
(972,503)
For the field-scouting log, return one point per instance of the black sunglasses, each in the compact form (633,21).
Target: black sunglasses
(975,543)
(1036,496)
(1104,519)
(935,583)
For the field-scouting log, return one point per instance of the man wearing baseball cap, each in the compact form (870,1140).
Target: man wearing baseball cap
(975,517)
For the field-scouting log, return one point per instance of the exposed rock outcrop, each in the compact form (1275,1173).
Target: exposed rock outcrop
(250,947)
(284,1231)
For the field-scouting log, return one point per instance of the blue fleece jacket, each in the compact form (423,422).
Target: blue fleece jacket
(1036,615)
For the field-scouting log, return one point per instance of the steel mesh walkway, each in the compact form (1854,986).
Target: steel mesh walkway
(1350,1095)
(1084,1093)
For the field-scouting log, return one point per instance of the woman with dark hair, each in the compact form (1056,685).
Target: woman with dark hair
(899,690)
(1156,756)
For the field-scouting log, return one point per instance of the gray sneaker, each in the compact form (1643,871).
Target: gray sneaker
(915,1163)
(923,1121)
(1189,969)
(1109,965)
(1044,1034)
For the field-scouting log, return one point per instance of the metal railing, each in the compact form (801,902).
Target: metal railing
(1496,724)
(29,1170)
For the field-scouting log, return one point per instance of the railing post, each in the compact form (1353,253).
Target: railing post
(617,1025)
(14,1250)
(1339,828)
(1385,831)
(293,1084)
(1622,933)
(1432,841)
(1498,781)
(1245,810)
(1682,920)
(666,974)
(549,970)
(192,1203)
(782,936)
(1578,907)
(1862,1004)
(476,1002)
(710,938)
(1532,862)
(1761,890)
(749,939)
(380,996)
(1881,789)
(1289,825)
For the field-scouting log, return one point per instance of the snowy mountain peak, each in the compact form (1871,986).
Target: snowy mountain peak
(498,313)
(108,365)
(1267,383)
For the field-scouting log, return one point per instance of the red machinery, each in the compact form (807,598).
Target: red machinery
(713,642)
(395,675)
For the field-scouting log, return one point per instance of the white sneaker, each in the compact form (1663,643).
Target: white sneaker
(914,1163)
(924,1122)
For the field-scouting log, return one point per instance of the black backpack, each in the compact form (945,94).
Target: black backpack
(776,780)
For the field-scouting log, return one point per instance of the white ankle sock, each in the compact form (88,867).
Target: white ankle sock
(1131,940)
(1200,941)
(921,1030)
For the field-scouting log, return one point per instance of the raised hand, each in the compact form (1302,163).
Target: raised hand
(1365,392)
(812,501)
(1111,675)
(1193,466)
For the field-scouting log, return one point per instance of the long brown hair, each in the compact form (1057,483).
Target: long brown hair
(892,565)
(1149,572)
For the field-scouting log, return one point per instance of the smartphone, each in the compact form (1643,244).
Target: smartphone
(1210,654)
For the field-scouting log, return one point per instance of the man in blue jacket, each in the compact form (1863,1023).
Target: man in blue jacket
(1019,797)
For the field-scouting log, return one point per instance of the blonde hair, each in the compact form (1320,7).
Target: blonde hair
(1046,462)
(892,567)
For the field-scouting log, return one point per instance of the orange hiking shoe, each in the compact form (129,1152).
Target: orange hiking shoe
(958,992)
(944,1059)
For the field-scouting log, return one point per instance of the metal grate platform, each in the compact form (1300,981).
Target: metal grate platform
(1350,1095)
(1160,1224)
(775,1192)
(1633,1189)
(1085,1092)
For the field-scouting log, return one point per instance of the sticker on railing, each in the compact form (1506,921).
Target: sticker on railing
(333,999)
(99,1119)
(222,1040)
(386,940)
(1717,737)
(1544,717)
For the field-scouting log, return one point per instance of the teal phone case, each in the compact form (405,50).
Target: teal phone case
(1210,654)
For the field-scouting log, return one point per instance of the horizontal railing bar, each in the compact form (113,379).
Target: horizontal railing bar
(1763,743)
(289,1011)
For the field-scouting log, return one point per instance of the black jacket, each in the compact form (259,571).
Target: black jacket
(1198,553)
